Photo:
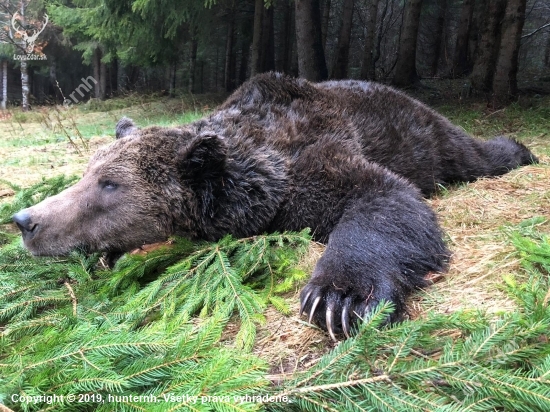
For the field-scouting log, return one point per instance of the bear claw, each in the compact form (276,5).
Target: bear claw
(303,303)
(340,311)
(313,308)
(345,320)
(329,318)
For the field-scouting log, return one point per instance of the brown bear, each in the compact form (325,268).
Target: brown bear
(348,159)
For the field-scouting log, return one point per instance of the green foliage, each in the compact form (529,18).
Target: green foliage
(32,195)
(156,325)
(535,255)
(66,329)
(523,121)
(210,279)
(69,326)
(502,364)
(140,32)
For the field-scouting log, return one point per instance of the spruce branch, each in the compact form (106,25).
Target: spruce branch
(36,193)
(72,295)
(155,325)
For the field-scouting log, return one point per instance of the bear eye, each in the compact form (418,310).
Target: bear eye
(108,185)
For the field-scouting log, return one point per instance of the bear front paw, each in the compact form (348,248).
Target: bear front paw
(336,310)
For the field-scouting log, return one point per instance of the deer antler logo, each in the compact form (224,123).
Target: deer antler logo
(29,40)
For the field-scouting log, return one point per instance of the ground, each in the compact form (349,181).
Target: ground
(474,216)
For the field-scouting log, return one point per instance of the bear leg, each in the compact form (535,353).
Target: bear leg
(504,154)
(384,245)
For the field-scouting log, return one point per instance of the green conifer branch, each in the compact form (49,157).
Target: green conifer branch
(36,193)
(154,325)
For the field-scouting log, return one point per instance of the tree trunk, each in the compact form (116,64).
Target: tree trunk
(340,66)
(405,69)
(367,68)
(32,84)
(505,80)
(24,70)
(244,61)
(201,77)
(267,55)
(311,57)
(479,10)
(121,76)
(216,65)
(246,34)
(167,80)
(193,64)
(294,70)
(256,49)
(113,75)
(96,62)
(380,32)
(438,37)
(324,23)
(24,86)
(460,61)
(229,72)
(285,55)
(102,80)
(54,86)
(4,85)
(172,78)
(487,48)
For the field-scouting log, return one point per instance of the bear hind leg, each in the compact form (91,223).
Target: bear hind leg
(504,154)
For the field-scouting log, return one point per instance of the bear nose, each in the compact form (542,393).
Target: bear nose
(24,222)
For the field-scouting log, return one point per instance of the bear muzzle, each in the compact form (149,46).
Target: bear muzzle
(25,224)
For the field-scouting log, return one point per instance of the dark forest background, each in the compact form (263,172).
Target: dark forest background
(205,46)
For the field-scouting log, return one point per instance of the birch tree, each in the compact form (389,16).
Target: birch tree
(4,85)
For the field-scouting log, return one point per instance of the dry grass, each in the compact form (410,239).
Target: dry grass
(36,144)
(30,151)
(29,165)
(289,343)
(473,218)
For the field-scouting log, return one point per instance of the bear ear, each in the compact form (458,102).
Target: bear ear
(204,157)
(125,127)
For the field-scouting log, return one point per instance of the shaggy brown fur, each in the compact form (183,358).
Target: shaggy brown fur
(348,159)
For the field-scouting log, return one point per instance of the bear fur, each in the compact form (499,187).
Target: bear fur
(351,160)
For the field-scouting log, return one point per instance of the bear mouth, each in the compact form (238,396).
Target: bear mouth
(38,251)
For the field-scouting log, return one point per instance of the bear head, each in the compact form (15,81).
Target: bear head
(139,189)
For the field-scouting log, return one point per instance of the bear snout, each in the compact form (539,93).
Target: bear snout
(25,224)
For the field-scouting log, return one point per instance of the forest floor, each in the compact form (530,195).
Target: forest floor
(476,217)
